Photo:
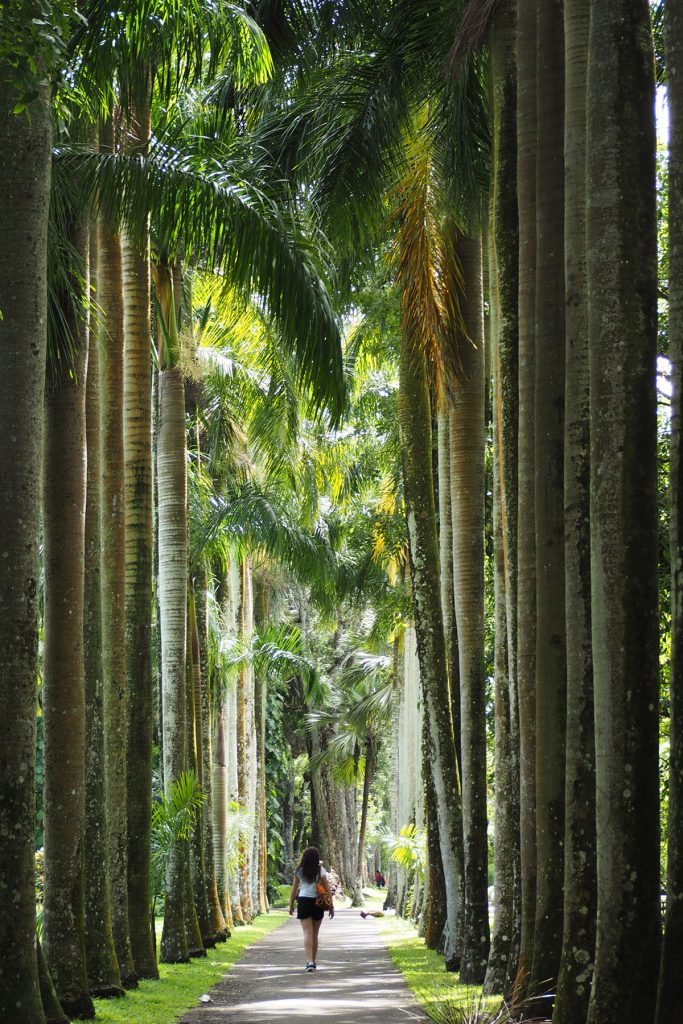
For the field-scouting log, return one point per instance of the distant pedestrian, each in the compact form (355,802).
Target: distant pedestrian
(378,877)
(311,890)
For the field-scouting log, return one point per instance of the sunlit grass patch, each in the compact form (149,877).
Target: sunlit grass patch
(423,969)
(180,985)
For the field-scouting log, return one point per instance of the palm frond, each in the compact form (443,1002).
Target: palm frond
(225,218)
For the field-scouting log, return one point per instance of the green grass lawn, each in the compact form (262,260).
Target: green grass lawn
(439,992)
(180,985)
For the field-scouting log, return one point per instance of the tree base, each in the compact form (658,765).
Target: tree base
(195,954)
(178,958)
(452,963)
(209,941)
(129,981)
(107,992)
(78,1007)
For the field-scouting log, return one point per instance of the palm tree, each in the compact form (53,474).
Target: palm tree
(104,979)
(137,439)
(526,536)
(504,287)
(579,849)
(622,277)
(467,487)
(669,998)
(111,350)
(64,482)
(172,534)
(25,141)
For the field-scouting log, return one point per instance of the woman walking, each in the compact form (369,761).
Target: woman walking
(308,877)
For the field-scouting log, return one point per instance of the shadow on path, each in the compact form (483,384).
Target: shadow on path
(355,983)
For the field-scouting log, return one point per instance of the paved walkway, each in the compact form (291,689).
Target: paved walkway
(355,983)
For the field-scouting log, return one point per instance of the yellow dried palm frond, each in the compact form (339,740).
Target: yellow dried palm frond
(428,271)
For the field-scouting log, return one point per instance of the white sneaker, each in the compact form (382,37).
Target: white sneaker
(310,966)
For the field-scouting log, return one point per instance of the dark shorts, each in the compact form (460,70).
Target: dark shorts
(307,907)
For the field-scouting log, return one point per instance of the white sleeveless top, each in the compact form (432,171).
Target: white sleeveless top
(308,888)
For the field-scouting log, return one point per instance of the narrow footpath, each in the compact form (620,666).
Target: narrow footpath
(355,983)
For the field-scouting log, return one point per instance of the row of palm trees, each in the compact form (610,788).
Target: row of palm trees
(467,152)
(100,223)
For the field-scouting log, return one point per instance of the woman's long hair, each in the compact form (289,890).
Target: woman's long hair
(309,865)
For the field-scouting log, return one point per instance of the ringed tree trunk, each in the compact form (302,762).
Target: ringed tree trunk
(434,919)
(367,782)
(104,979)
(218,923)
(416,444)
(111,349)
(64,479)
(450,626)
(670,998)
(580,882)
(526,535)
(622,320)
(172,492)
(25,167)
(467,438)
(551,656)
(504,287)
(137,437)
(196,761)
(244,696)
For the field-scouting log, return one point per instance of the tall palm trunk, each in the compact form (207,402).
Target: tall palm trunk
(551,658)
(25,168)
(434,920)
(450,625)
(172,497)
(526,535)
(196,761)
(623,298)
(416,445)
(367,782)
(504,289)
(261,752)
(670,998)
(64,478)
(622,320)
(466,430)
(580,883)
(138,563)
(207,711)
(104,979)
(243,723)
(111,346)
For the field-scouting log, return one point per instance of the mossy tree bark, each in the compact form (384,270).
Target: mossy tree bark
(244,697)
(526,534)
(435,918)
(25,167)
(580,882)
(138,560)
(111,349)
(450,625)
(467,437)
(64,481)
(196,762)
(551,663)
(670,998)
(622,320)
(416,446)
(504,298)
(208,717)
(104,979)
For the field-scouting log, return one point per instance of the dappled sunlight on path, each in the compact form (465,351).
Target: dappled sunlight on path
(355,983)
